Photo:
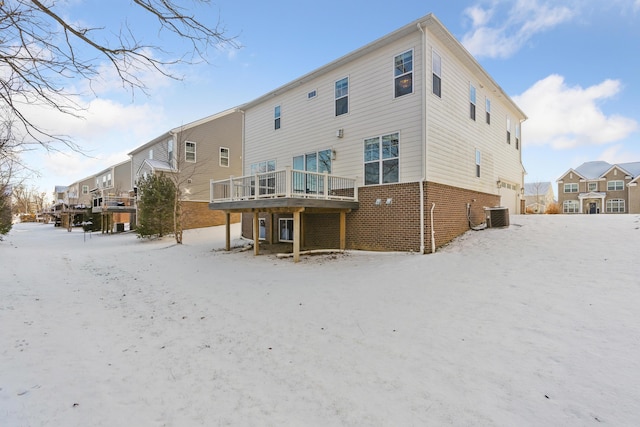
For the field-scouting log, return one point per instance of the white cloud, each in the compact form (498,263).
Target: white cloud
(524,20)
(618,153)
(565,117)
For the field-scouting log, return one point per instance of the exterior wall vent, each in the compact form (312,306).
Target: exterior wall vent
(497,217)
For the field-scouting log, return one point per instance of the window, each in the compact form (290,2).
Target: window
(85,189)
(592,186)
(285,229)
(108,180)
(478,163)
(104,181)
(342,96)
(571,187)
(615,206)
(319,161)
(472,102)
(508,130)
(381,159)
(151,154)
(403,74)
(487,107)
(190,151)
(517,136)
(276,117)
(312,94)
(570,206)
(224,157)
(170,151)
(436,70)
(97,182)
(617,185)
(267,182)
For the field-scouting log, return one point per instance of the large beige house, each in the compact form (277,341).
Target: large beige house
(538,196)
(600,187)
(399,145)
(192,154)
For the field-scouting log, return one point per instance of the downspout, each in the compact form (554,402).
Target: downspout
(424,140)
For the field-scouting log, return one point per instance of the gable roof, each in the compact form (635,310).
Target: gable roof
(536,188)
(598,168)
(155,166)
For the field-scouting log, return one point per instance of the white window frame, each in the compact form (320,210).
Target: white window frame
(403,72)
(570,186)
(592,186)
(380,159)
(436,72)
(570,206)
(614,184)
(312,94)
(340,94)
(478,162)
(487,108)
(277,114)
(225,158)
(85,189)
(151,154)
(472,102)
(109,182)
(508,130)
(517,136)
(286,222)
(188,152)
(170,151)
(615,206)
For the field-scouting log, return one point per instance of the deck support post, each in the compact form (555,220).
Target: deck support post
(296,236)
(343,230)
(256,233)
(227,225)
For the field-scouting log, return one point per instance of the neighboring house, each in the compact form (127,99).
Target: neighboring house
(538,196)
(600,187)
(77,198)
(113,198)
(399,145)
(192,154)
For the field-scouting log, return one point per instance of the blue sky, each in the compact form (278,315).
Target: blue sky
(573,66)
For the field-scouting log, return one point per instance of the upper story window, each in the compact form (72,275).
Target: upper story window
(342,96)
(276,117)
(109,183)
(403,73)
(592,186)
(85,189)
(381,159)
(436,71)
(190,151)
(151,154)
(472,102)
(97,182)
(508,130)
(104,181)
(571,187)
(224,157)
(478,159)
(517,136)
(312,94)
(487,109)
(170,151)
(617,185)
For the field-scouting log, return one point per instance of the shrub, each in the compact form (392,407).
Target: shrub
(552,209)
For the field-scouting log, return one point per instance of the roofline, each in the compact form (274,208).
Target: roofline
(616,165)
(205,120)
(113,166)
(567,172)
(430,22)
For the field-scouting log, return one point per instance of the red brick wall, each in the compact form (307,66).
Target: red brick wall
(394,226)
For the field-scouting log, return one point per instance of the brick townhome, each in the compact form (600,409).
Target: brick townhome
(399,145)
(600,187)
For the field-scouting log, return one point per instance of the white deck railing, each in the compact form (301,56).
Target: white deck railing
(284,183)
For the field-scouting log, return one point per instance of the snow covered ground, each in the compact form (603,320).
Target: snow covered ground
(534,325)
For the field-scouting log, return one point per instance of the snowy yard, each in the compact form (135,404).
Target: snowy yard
(534,325)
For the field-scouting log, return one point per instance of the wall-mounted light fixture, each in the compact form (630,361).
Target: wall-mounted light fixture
(389,201)
(340,133)
(333,154)
(378,202)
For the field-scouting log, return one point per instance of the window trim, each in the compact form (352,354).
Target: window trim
(285,221)
(342,96)
(380,160)
(592,186)
(277,114)
(614,183)
(472,101)
(620,206)
(435,75)
(487,109)
(478,162)
(85,189)
(508,130)
(402,74)
(226,157)
(570,185)
(187,152)
(517,136)
(575,206)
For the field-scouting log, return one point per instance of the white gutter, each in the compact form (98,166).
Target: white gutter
(424,138)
